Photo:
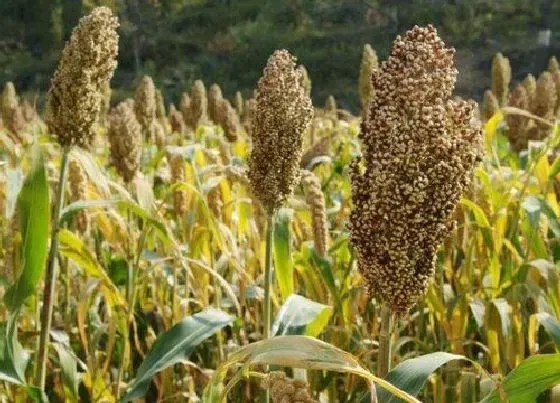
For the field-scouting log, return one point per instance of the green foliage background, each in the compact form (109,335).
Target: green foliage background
(228,41)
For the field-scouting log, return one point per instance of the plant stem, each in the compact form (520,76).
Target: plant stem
(267,287)
(50,277)
(384,354)
(268,275)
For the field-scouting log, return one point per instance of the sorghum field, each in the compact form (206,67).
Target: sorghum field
(268,249)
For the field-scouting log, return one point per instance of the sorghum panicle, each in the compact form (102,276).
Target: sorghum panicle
(145,105)
(228,119)
(530,84)
(517,124)
(283,113)
(419,149)
(545,104)
(176,120)
(489,105)
(287,390)
(87,64)
(238,103)
(178,175)
(368,64)
(553,64)
(79,191)
(305,80)
(125,138)
(214,99)
(316,201)
(501,77)
(199,105)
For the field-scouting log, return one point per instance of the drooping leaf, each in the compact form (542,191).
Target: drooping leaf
(34,212)
(175,346)
(283,264)
(526,382)
(298,352)
(300,315)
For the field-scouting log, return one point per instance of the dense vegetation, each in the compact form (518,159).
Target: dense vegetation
(224,247)
(227,42)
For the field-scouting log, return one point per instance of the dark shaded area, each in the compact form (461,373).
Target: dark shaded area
(229,41)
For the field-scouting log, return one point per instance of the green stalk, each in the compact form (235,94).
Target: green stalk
(384,354)
(50,277)
(268,275)
(267,286)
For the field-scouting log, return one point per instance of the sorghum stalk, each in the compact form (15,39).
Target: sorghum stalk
(50,276)
(268,274)
(384,352)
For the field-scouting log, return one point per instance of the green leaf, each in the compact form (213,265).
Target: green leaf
(34,212)
(292,351)
(13,358)
(68,364)
(283,264)
(175,346)
(411,375)
(300,315)
(526,382)
(479,216)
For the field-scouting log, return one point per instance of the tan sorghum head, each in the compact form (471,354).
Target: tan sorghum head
(214,99)
(176,120)
(316,201)
(517,124)
(199,105)
(9,101)
(160,106)
(185,108)
(419,149)
(287,390)
(545,105)
(78,190)
(178,175)
(125,137)
(501,76)
(553,64)
(283,113)
(228,119)
(145,105)
(319,148)
(530,84)
(489,105)
(248,117)
(159,133)
(88,61)
(368,65)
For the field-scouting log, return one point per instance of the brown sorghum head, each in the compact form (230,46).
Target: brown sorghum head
(316,201)
(249,112)
(228,119)
(159,133)
(125,137)
(145,105)
(88,61)
(287,390)
(530,85)
(317,149)
(501,76)
(160,107)
(185,108)
(78,190)
(368,65)
(545,105)
(283,113)
(9,101)
(199,104)
(178,175)
(489,105)
(517,124)
(176,120)
(214,99)
(419,149)
(553,64)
